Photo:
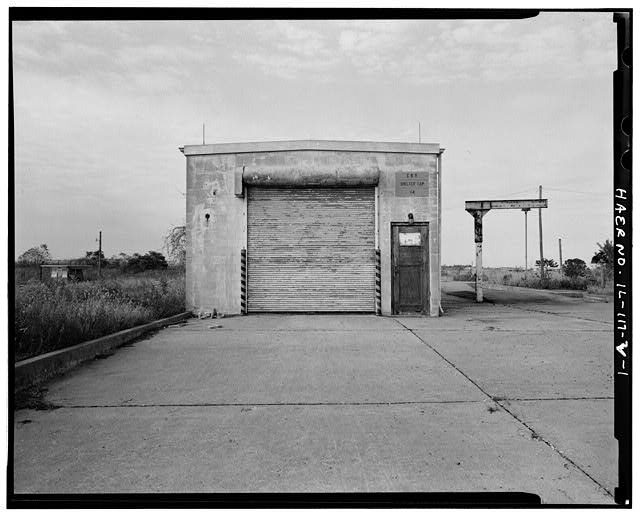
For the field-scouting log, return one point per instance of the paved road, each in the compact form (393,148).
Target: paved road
(514,395)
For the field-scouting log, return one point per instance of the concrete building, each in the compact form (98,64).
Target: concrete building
(313,226)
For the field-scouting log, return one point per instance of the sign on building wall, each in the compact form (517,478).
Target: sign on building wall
(412,184)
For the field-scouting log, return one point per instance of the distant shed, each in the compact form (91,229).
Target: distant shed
(71,272)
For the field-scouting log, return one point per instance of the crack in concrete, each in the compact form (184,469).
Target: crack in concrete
(498,401)
(270,404)
(524,331)
(250,330)
(508,399)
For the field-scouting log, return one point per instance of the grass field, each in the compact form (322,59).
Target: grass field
(54,315)
(516,277)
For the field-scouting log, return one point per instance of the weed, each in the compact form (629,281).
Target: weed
(33,398)
(54,315)
(552,279)
(103,355)
(606,291)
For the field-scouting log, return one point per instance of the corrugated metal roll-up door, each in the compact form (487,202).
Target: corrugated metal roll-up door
(311,250)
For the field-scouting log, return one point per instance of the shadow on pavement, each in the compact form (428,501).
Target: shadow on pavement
(507,295)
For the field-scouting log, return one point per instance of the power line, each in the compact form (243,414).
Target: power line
(519,192)
(555,189)
(574,191)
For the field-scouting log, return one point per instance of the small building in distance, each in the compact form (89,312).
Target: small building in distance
(71,272)
(313,226)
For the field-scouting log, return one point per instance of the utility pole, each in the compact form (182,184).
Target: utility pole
(419,133)
(561,266)
(526,240)
(203,134)
(540,228)
(100,254)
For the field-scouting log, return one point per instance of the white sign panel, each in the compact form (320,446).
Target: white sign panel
(410,239)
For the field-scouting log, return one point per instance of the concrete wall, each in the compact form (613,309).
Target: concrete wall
(213,247)
(394,209)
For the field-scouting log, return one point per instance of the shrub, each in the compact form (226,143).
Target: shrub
(93,257)
(533,281)
(575,268)
(36,255)
(464,276)
(150,260)
(596,289)
(470,276)
(605,257)
(175,242)
(548,263)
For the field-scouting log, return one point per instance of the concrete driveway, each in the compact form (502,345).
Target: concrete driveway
(510,396)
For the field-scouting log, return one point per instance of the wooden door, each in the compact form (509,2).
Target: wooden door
(410,268)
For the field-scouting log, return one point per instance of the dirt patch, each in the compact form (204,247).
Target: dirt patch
(103,355)
(33,398)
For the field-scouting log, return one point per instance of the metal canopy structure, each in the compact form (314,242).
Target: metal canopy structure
(478,209)
(505,204)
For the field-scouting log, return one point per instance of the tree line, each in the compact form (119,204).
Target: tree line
(174,246)
(577,268)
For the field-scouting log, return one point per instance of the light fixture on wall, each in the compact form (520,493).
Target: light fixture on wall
(206,218)
(410,216)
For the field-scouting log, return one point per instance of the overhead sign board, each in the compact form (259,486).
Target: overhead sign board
(412,184)
(505,204)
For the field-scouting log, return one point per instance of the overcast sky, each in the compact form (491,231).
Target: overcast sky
(102,107)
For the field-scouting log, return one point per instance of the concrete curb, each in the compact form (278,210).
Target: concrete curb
(597,298)
(43,367)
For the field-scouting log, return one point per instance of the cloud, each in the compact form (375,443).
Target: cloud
(348,40)
(163,56)
(375,46)
(138,58)
(288,66)
(481,50)
(288,49)
(295,38)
